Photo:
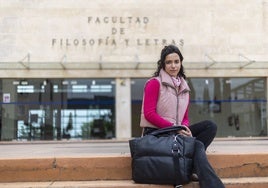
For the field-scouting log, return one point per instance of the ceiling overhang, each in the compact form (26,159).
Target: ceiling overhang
(63,64)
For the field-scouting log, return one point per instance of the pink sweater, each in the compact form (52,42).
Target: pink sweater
(151,93)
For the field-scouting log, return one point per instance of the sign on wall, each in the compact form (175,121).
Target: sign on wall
(109,30)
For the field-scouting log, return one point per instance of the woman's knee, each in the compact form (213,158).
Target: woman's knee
(200,149)
(211,126)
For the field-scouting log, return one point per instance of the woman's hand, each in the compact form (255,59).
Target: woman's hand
(186,132)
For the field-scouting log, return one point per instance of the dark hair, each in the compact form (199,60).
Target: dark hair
(161,62)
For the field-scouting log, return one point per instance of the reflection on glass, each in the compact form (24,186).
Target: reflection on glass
(59,109)
(237,105)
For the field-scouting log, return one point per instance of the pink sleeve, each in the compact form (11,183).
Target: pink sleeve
(151,93)
(185,120)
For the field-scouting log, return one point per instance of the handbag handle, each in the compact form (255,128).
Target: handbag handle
(167,130)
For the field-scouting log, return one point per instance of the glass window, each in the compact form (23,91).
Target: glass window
(38,109)
(236,105)
(137,86)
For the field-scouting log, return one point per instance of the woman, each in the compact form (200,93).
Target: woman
(166,102)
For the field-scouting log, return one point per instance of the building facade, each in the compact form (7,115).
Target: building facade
(76,69)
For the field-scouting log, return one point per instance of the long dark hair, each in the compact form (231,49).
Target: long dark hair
(161,62)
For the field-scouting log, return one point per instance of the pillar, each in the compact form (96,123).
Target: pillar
(123,108)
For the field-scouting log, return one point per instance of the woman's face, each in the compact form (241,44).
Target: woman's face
(172,64)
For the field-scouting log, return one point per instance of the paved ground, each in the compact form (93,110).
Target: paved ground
(45,149)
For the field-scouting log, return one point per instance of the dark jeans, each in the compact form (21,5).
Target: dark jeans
(206,174)
(204,132)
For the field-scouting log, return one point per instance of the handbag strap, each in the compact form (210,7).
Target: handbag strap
(167,130)
(176,158)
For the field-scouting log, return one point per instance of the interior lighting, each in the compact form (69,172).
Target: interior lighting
(24,83)
(65,82)
(25,89)
(79,88)
(100,88)
(16,82)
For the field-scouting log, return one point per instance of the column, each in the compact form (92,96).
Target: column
(123,108)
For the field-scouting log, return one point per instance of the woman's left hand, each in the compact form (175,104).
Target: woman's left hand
(186,132)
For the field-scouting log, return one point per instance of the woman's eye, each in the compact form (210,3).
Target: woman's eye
(168,62)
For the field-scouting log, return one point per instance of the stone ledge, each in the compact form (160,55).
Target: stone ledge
(229,183)
(117,168)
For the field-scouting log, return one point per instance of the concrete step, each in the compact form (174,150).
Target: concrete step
(229,183)
(117,167)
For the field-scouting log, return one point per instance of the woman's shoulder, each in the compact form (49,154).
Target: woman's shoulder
(154,81)
(152,85)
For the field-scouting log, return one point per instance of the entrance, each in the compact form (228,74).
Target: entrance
(58,109)
(236,105)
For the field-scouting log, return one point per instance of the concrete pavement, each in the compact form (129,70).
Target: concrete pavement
(72,148)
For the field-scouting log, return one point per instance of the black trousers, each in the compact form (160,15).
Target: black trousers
(204,131)
(206,174)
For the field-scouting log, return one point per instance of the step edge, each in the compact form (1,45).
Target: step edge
(226,181)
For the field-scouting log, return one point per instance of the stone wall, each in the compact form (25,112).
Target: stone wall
(133,30)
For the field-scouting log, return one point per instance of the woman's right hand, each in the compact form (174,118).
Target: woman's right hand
(186,132)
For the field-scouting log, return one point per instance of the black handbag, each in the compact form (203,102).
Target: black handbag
(162,157)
